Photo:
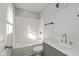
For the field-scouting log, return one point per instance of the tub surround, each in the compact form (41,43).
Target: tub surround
(70,51)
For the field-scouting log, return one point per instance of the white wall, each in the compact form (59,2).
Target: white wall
(22,20)
(48,13)
(65,21)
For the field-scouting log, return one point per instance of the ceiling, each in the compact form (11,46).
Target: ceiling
(32,7)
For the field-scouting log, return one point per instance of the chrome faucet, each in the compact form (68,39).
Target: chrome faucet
(65,36)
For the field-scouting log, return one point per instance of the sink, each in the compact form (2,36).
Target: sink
(62,44)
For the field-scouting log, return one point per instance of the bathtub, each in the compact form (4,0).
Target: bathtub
(24,50)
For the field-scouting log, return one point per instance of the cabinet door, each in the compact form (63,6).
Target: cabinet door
(50,51)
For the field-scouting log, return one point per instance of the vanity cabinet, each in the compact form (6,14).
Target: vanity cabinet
(51,51)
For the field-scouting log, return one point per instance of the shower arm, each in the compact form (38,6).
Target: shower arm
(49,23)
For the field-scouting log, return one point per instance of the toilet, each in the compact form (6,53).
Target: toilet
(38,50)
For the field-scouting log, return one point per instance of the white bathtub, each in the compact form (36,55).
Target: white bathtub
(21,49)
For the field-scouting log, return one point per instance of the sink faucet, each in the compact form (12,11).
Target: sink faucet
(65,36)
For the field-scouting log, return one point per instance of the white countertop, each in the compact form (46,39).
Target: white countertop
(72,50)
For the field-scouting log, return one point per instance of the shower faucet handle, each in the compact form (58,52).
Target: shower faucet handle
(9,47)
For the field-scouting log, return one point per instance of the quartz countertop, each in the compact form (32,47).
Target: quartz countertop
(72,50)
